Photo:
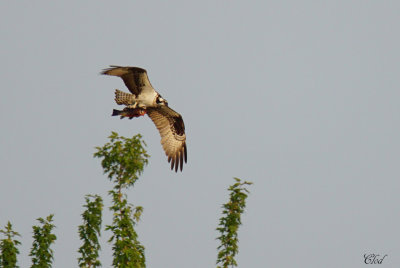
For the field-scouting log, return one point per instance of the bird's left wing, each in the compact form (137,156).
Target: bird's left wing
(135,78)
(172,131)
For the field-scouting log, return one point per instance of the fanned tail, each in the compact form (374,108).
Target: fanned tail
(124,98)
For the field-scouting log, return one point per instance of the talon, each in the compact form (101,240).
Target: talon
(133,106)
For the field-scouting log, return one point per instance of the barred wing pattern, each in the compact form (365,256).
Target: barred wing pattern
(172,131)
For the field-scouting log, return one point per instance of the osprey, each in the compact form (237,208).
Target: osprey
(145,100)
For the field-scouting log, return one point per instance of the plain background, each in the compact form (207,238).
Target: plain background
(300,97)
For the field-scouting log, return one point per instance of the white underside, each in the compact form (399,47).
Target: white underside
(147,98)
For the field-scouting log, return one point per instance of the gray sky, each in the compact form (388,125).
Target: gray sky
(300,97)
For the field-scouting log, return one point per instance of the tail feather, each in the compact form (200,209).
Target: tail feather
(124,98)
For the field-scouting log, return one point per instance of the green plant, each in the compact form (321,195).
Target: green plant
(90,231)
(123,160)
(41,253)
(8,247)
(229,224)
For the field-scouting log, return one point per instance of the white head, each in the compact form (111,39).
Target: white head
(161,101)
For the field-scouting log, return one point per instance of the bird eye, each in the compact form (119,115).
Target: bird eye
(160,100)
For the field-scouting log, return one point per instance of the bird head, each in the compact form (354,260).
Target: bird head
(161,101)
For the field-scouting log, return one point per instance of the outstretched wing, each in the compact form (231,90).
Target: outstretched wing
(172,131)
(135,78)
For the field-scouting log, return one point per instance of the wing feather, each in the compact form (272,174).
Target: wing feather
(172,131)
(135,78)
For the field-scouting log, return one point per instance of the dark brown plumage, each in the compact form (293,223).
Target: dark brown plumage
(135,78)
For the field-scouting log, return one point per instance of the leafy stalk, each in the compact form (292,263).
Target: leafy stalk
(229,224)
(90,231)
(41,253)
(123,160)
(8,247)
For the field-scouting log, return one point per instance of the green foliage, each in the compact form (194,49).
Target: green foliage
(41,253)
(127,250)
(8,248)
(229,224)
(90,231)
(123,160)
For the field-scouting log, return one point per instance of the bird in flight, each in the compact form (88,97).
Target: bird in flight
(142,100)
